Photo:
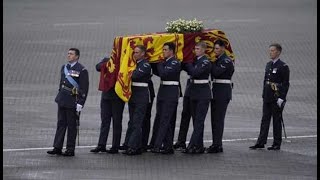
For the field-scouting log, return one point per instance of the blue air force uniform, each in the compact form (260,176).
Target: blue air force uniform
(185,115)
(138,104)
(111,107)
(167,102)
(200,96)
(147,120)
(221,74)
(277,74)
(67,99)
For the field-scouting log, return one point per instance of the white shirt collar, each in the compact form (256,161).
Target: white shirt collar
(139,61)
(169,58)
(199,57)
(72,64)
(275,60)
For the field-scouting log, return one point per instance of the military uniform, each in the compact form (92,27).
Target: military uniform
(200,96)
(167,101)
(221,74)
(185,117)
(276,74)
(111,107)
(146,121)
(138,104)
(67,99)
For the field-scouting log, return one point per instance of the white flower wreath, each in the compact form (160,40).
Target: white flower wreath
(184,26)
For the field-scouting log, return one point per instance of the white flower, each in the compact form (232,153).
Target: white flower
(182,26)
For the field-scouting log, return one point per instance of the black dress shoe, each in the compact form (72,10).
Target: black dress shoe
(189,150)
(113,150)
(179,146)
(55,151)
(167,151)
(274,147)
(68,153)
(257,146)
(155,150)
(214,149)
(186,151)
(98,149)
(132,152)
(144,149)
(123,147)
(149,147)
(199,150)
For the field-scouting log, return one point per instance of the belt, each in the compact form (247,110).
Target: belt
(223,81)
(269,82)
(66,88)
(176,83)
(139,84)
(199,81)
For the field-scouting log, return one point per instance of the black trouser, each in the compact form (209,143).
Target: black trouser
(218,113)
(271,109)
(155,128)
(199,109)
(137,113)
(66,120)
(185,120)
(145,128)
(167,118)
(111,108)
(146,125)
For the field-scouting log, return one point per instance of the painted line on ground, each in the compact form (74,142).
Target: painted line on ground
(205,141)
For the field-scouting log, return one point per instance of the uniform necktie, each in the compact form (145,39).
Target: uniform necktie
(68,66)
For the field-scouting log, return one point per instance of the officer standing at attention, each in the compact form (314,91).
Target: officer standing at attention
(72,95)
(275,89)
(221,73)
(200,96)
(138,102)
(111,107)
(167,99)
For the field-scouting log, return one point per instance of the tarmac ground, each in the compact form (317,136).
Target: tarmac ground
(37,35)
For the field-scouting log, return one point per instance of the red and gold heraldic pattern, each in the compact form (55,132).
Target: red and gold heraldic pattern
(118,70)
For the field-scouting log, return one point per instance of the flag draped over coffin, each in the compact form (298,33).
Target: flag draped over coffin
(118,70)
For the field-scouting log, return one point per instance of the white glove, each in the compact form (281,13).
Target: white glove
(79,107)
(279,102)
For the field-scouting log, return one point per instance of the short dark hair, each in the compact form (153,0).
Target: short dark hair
(77,52)
(277,46)
(171,46)
(142,48)
(202,44)
(220,43)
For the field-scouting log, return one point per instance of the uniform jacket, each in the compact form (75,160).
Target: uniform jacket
(169,70)
(142,74)
(222,68)
(200,69)
(277,73)
(64,97)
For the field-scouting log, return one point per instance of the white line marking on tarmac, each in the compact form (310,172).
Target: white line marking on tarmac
(205,141)
(77,24)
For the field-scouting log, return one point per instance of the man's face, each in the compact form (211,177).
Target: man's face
(199,51)
(273,52)
(137,54)
(166,52)
(72,56)
(218,50)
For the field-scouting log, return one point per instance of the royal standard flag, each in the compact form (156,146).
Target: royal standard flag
(122,53)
